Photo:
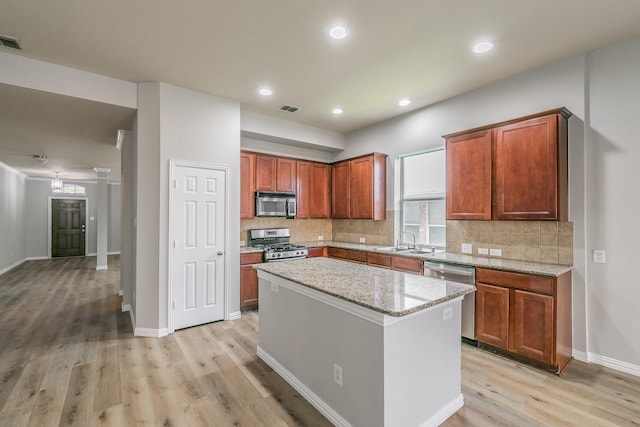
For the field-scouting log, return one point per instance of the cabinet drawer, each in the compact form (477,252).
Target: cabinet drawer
(411,265)
(251,258)
(379,260)
(337,253)
(528,282)
(317,252)
(357,256)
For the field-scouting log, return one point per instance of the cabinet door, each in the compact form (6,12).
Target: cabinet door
(286,175)
(337,253)
(340,190)
(526,169)
(532,325)
(317,252)
(320,197)
(248,287)
(469,176)
(362,187)
(409,265)
(492,315)
(304,192)
(247,184)
(265,173)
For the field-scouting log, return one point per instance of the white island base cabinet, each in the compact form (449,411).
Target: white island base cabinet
(395,371)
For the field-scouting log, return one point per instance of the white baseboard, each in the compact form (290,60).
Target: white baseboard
(35,258)
(126,307)
(309,395)
(618,365)
(444,413)
(149,332)
(12,266)
(113,253)
(102,267)
(235,315)
(580,355)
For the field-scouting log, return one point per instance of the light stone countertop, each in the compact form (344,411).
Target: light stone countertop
(390,292)
(554,270)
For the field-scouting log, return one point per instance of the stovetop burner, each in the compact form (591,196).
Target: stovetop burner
(276,245)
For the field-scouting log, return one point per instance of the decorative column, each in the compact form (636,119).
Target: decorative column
(102,226)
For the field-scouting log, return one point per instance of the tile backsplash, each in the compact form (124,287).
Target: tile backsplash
(302,230)
(374,232)
(342,230)
(538,241)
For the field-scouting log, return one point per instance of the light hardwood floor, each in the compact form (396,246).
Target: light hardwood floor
(68,357)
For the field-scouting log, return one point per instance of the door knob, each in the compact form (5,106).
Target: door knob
(220,252)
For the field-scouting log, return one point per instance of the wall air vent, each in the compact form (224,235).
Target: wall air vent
(9,42)
(289,108)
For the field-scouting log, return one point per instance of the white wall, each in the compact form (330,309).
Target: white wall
(613,159)
(13,226)
(175,123)
(602,90)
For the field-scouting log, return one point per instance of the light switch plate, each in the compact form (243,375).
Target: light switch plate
(467,248)
(362,240)
(495,252)
(483,251)
(599,256)
(320,237)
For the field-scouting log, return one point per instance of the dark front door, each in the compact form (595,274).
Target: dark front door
(68,227)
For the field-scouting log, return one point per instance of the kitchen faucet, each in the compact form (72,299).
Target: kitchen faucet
(412,235)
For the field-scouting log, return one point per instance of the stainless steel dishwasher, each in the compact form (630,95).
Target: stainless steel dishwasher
(462,274)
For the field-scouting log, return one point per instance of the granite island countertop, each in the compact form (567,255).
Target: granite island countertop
(389,292)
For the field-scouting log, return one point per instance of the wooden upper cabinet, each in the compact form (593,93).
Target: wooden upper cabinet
(469,176)
(303,189)
(265,173)
(247,184)
(320,197)
(340,190)
(359,187)
(286,175)
(512,170)
(531,169)
(275,174)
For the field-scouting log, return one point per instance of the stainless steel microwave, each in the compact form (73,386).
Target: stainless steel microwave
(275,204)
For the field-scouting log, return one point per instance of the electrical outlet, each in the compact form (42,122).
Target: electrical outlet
(337,374)
(447,313)
(274,287)
(495,252)
(362,240)
(243,243)
(599,256)
(483,251)
(320,237)
(467,248)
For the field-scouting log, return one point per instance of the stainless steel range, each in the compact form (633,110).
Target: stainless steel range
(275,242)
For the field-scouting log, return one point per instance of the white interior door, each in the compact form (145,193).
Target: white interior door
(199,206)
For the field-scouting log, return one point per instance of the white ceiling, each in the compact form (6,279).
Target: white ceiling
(404,48)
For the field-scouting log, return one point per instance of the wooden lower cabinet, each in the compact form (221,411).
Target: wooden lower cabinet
(376,259)
(492,315)
(339,253)
(379,260)
(249,280)
(525,316)
(317,252)
(408,265)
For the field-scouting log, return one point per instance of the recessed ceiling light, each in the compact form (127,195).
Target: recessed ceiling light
(337,111)
(404,102)
(338,32)
(483,47)
(265,91)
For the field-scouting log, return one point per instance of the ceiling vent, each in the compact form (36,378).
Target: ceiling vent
(289,108)
(9,42)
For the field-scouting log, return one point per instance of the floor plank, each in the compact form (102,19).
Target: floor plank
(68,357)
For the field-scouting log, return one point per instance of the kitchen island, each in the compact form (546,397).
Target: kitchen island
(366,346)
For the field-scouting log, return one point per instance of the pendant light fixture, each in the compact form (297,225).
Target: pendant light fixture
(56,183)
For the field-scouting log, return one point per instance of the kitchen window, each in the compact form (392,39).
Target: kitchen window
(422,197)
